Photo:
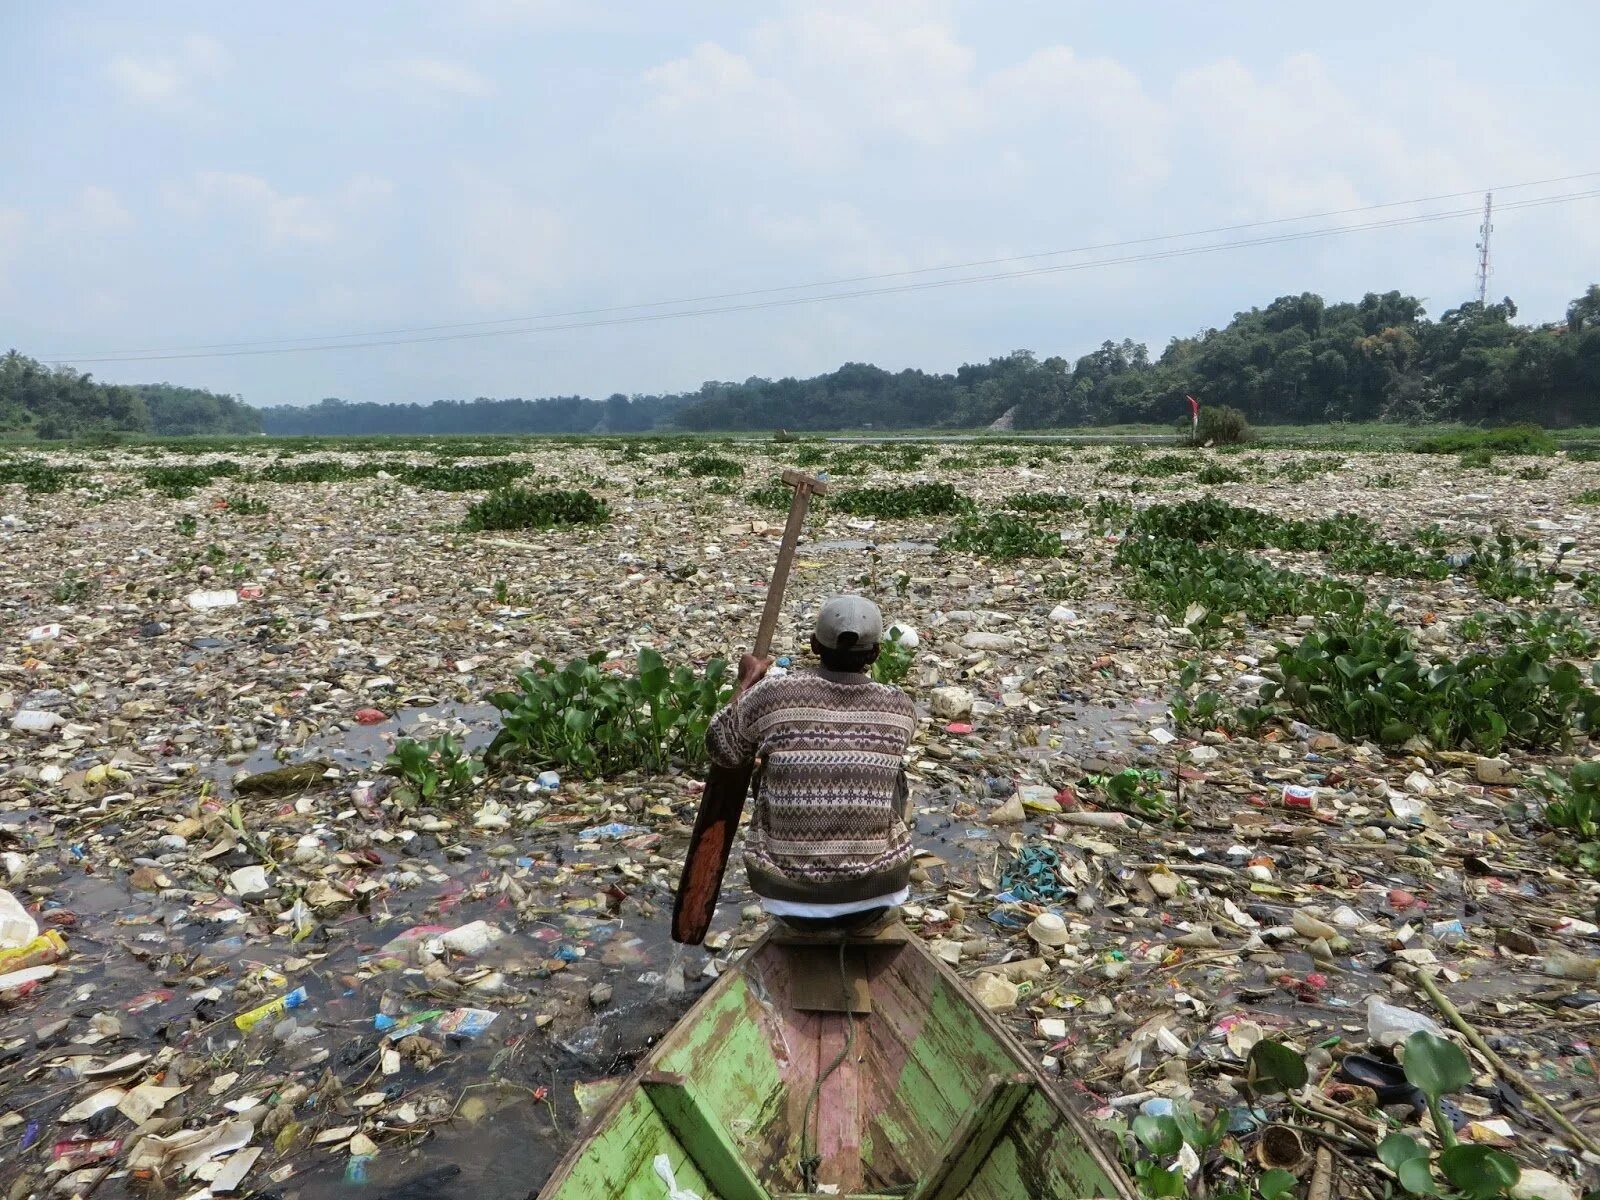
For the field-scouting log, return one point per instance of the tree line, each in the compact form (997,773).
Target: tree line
(59,402)
(1297,360)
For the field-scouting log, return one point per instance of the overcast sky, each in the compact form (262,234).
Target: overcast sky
(183,174)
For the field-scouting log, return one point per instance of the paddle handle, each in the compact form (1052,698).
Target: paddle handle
(798,504)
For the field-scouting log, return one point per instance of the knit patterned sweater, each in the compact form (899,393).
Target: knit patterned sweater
(828,825)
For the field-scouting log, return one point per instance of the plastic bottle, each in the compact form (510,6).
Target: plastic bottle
(270,1011)
(36,720)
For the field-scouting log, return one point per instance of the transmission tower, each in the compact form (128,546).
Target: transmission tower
(1484,231)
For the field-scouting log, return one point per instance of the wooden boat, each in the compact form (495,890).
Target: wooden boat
(920,1094)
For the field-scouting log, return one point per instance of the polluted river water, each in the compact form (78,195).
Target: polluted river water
(476,974)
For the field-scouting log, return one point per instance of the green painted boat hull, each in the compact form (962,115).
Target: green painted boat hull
(931,1098)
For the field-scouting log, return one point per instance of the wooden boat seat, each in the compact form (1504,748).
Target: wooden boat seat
(892,933)
(832,968)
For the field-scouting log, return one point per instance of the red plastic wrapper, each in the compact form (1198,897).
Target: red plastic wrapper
(70,1155)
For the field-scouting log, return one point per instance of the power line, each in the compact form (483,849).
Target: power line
(129,355)
(477,333)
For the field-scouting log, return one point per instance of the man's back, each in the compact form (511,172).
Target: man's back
(828,826)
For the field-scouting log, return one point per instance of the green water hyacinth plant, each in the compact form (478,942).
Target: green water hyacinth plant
(1572,805)
(1004,537)
(433,770)
(597,722)
(909,500)
(1436,1067)
(1360,676)
(1183,1133)
(894,659)
(520,508)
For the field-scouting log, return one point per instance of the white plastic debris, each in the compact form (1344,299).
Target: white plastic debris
(663,1166)
(471,939)
(17,928)
(36,720)
(950,702)
(1389,1024)
(250,881)
(221,598)
(1542,1185)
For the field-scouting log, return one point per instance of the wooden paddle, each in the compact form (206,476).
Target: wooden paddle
(726,787)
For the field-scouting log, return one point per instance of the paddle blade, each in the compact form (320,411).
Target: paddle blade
(701,882)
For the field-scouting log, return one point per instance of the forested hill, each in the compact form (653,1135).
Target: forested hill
(63,403)
(1298,359)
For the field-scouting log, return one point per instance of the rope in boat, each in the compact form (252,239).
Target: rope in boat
(809,1160)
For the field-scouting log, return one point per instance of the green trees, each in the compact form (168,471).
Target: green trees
(1298,359)
(59,402)
(185,411)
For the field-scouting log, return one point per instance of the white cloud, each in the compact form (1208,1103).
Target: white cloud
(430,76)
(1092,109)
(713,101)
(836,235)
(13,221)
(98,210)
(832,85)
(888,68)
(281,217)
(508,249)
(169,80)
(362,191)
(817,86)
(519,12)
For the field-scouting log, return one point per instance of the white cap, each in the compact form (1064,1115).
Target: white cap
(849,623)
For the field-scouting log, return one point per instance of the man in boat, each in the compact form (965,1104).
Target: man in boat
(828,844)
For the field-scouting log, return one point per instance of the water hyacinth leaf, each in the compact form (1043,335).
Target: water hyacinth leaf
(1417,1178)
(1275,1183)
(1274,1064)
(1395,733)
(1159,1183)
(1479,1171)
(1408,1159)
(1436,1066)
(1198,1132)
(1398,1149)
(653,673)
(1159,1135)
